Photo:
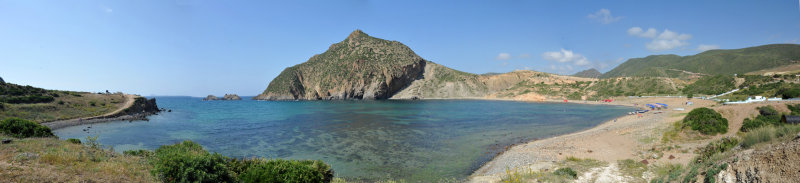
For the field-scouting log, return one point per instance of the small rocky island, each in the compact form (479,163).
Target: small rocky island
(226,97)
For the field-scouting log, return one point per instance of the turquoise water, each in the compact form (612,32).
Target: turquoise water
(412,140)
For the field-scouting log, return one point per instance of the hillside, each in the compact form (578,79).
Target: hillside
(588,73)
(359,67)
(43,105)
(712,62)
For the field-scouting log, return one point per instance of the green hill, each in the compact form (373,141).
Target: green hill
(712,62)
(359,67)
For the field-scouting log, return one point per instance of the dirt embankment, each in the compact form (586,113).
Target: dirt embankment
(135,108)
(776,162)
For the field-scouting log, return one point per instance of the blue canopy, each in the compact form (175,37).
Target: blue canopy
(651,105)
(665,105)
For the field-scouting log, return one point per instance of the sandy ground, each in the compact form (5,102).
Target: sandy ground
(623,138)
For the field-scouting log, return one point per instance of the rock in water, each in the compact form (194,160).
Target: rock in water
(231,97)
(210,97)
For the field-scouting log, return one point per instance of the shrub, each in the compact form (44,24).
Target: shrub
(278,170)
(716,147)
(768,116)
(758,135)
(767,111)
(188,162)
(566,172)
(707,121)
(21,128)
(794,108)
(140,152)
(74,141)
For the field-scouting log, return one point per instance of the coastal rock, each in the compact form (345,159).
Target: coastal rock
(210,97)
(231,97)
(226,97)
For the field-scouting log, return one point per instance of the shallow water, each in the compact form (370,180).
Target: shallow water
(413,140)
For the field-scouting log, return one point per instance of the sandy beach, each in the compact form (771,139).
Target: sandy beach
(622,138)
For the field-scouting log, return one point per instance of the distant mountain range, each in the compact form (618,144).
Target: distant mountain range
(589,73)
(712,62)
(365,67)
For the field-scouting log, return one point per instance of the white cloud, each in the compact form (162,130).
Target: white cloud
(638,31)
(667,40)
(604,16)
(503,56)
(107,9)
(566,56)
(706,47)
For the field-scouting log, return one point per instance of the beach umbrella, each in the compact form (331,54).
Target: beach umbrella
(651,105)
(665,105)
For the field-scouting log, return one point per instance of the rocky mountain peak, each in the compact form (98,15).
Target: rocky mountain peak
(357,34)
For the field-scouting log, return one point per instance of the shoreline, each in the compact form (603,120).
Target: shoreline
(608,141)
(54,125)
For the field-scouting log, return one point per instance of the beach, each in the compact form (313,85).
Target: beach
(622,138)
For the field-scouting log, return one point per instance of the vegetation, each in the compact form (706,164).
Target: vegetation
(767,116)
(69,105)
(566,172)
(716,147)
(767,133)
(780,89)
(189,162)
(706,121)
(74,141)
(17,94)
(715,62)
(637,86)
(712,85)
(21,128)
(53,160)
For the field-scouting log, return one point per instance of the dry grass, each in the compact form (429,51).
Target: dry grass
(68,105)
(53,160)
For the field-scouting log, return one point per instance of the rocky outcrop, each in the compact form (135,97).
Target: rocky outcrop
(359,67)
(231,97)
(141,106)
(774,163)
(210,97)
(226,97)
(1,81)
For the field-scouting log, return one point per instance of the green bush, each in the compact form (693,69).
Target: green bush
(74,141)
(188,162)
(278,170)
(21,128)
(794,108)
(767,111)
(140,152)
(566,172)
(707,121)
(768,116)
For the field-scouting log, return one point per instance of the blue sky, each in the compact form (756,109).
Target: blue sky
(197,48)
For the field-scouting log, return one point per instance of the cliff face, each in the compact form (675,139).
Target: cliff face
(141,106)
(360,67)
